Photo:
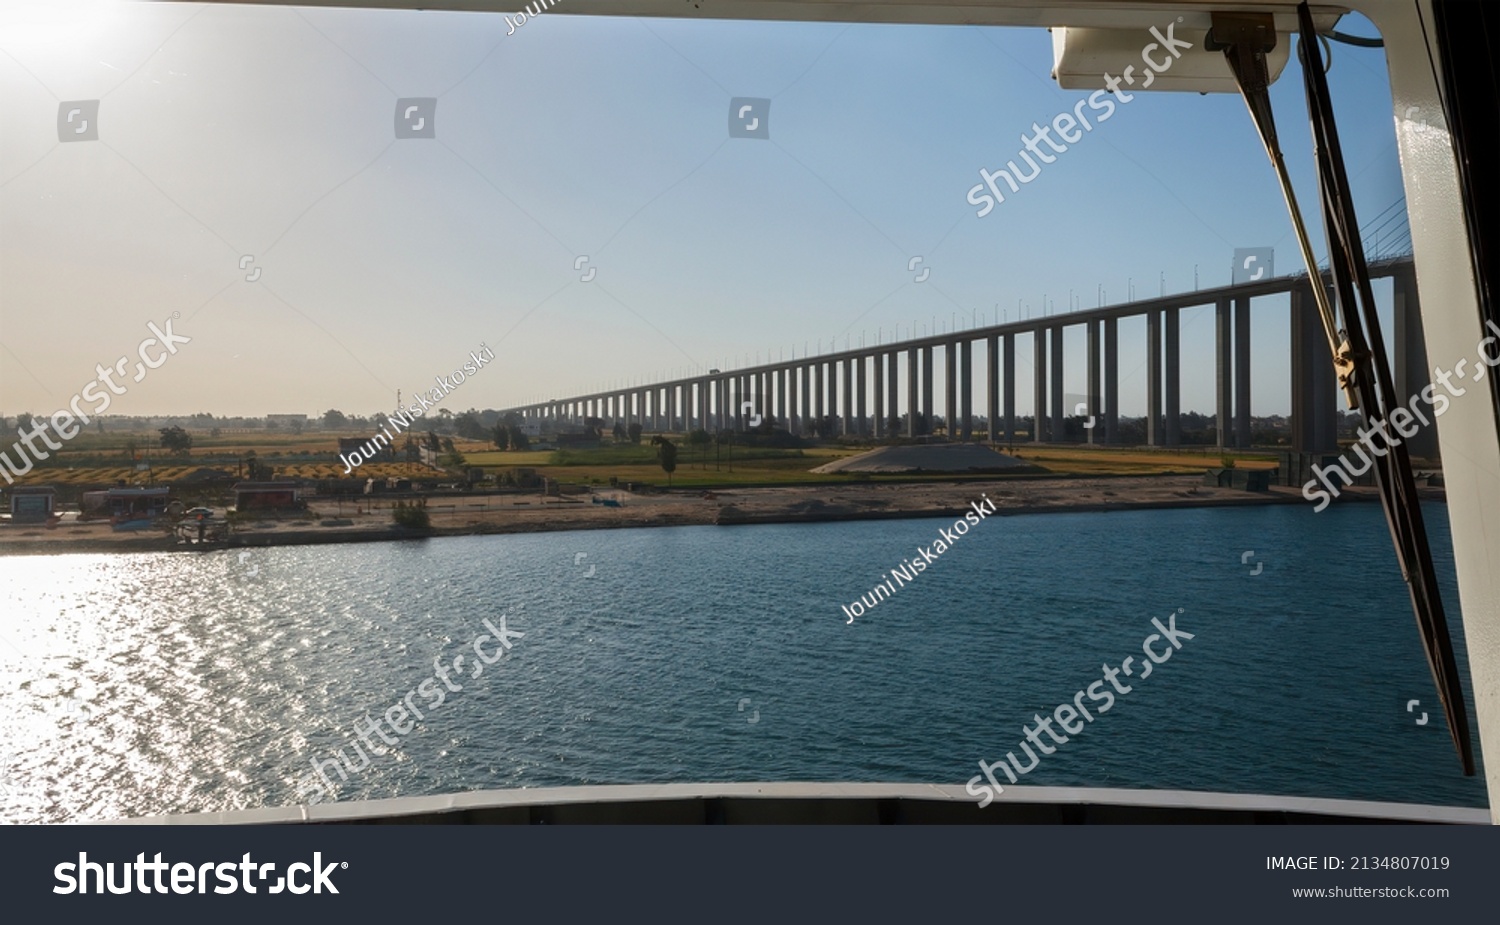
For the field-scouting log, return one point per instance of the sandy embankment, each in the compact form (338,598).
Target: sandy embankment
(481,514)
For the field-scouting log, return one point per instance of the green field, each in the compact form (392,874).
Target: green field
(312,454)
(626,462)
(696,467)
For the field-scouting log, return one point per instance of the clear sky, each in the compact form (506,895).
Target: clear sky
(268,133)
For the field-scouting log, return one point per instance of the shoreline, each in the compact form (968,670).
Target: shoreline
(509,514)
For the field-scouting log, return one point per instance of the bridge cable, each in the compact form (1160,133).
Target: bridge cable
(1359,359)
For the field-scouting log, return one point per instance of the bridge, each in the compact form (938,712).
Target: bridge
(858,389)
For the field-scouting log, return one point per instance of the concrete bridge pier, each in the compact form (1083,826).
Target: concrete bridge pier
(1111,380)
(830,393)
(1092,386)
(893,391)
(788,398)
(1242,371)
(1039,399)
(950,387)
(1223,370)
(861,387)
(992,386)
(911,392)
(773,395)
(1008,371)
(764,406)
(1059,431)
(1314,386)
(847,419)
(825,404)
(748,401)
(1154,433)
(929,409)
(804,398)
(966,402)
(1174,377)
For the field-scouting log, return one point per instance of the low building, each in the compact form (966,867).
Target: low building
(137,503)
(265,496)
(32,503)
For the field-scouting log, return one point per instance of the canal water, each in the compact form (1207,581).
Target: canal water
(168,683)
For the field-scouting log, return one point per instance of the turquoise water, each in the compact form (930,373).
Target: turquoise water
(163,683)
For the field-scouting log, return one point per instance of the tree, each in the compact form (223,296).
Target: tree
(635,431)
(468,426)
(666,455)
(501,437)
(176,440)
(700,438)
(296,426)
(411,515)
(255,471)
(518,439)
(23,421)
(412,453)
(619,431)
(432,442)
